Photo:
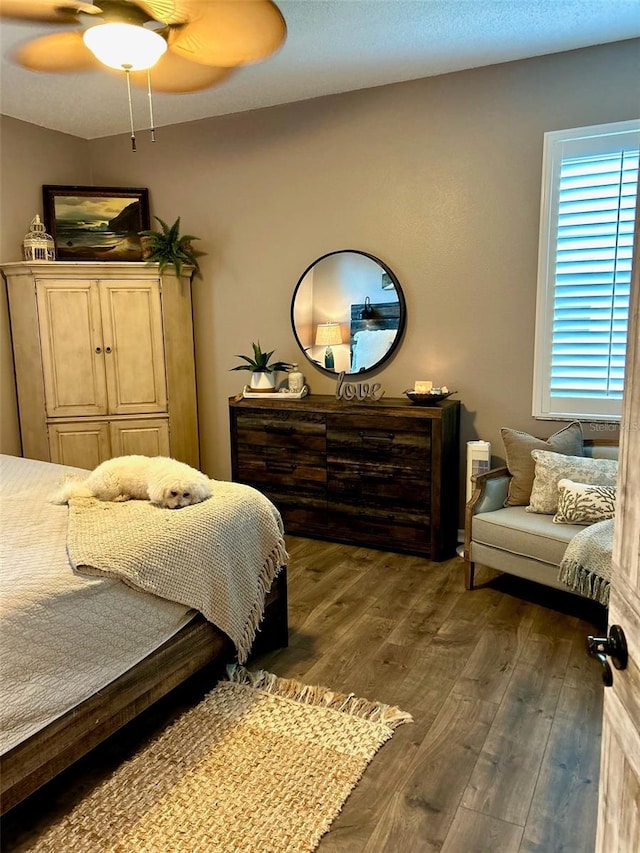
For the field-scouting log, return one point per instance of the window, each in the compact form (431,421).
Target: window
(589,191)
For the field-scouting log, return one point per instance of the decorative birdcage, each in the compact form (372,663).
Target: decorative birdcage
(37,244)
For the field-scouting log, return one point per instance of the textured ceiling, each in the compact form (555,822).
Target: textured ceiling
(332,46)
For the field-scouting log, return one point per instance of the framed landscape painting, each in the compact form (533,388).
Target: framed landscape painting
(96,223)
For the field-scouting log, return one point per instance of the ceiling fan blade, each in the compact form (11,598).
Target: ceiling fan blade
(165,11)
(57,52)
(46,11)
(174,74)
(229,32)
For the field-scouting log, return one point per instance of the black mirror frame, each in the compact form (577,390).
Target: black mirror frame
(402,322)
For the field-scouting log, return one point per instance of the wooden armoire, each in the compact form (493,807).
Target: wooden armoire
(104,361)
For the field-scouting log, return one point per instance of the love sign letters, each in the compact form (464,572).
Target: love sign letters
(358,391)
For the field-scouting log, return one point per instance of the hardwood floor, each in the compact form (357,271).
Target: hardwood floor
(503,753)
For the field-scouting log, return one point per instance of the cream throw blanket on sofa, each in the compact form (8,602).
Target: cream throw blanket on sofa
(586,565)
(219,556)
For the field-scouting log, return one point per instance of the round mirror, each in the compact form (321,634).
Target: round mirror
(348,312)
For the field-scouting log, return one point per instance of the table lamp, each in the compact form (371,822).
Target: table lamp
(328,335)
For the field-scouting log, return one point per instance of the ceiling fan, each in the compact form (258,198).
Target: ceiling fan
(190,45)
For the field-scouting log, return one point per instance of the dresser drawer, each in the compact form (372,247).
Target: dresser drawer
(378,484)
(281,449)
(302,512)
(376,437)
(390,529)
(291,430)
(281,466)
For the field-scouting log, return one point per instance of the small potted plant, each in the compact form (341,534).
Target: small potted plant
(168,247)
(263,374)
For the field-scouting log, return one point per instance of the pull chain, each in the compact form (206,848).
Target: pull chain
(152,128)
(127,71)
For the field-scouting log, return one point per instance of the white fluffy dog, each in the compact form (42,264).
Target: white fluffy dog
(159,479)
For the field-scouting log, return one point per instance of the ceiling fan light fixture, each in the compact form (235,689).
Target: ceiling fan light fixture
(125,46)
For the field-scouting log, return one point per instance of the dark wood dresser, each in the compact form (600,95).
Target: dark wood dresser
(381,474)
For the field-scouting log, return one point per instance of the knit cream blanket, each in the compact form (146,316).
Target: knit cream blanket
(219,556)
(586,565)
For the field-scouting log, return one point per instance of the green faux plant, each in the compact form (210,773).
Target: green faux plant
(168,247)
(260,362)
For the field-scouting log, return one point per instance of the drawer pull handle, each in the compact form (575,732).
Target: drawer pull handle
(369,475)
(281,466)
(381,517)
(279,430)
(369,436)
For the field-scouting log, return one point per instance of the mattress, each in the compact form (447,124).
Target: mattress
(63,636)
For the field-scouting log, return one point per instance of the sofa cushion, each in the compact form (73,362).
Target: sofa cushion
(601,451)
(515,530)
(550,468)
(580,503)
(518,446)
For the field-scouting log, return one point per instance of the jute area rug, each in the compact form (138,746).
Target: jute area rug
(262,765)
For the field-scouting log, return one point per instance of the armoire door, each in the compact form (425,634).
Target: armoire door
(133,347)
(144,436)
(72,348)
(81,444)
(86,443)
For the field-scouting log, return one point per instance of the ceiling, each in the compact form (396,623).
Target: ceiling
(332,46)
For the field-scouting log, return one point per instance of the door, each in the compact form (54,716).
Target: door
(133,346)
(619,805)
(72,348)
(82,444)
(147,437)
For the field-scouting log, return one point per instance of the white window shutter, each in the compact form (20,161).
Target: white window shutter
(588,214)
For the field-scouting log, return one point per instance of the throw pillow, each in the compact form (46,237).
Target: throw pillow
(580,503)
(518,447)
(550,468)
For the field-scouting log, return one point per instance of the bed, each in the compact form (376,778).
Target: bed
(375,331)
(99,651)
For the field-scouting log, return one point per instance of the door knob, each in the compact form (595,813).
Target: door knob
(613,646)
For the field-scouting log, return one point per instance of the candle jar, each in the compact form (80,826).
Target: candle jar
(423,387)
(295,380)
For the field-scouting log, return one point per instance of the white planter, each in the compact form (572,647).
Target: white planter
(263,381)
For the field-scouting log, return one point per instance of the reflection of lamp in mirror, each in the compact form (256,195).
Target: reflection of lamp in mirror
(328,335)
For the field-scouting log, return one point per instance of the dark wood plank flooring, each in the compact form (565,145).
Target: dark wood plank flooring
(504,750)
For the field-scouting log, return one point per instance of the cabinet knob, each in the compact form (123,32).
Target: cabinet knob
(107,349)
(98,349)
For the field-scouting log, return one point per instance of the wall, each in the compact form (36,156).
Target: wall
(440,178)
(30,156)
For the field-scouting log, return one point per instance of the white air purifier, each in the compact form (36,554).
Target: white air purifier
(478,461)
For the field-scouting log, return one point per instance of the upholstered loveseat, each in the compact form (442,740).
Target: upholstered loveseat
(512,539)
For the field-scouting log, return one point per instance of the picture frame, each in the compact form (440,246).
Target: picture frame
(387,283)
(96,223)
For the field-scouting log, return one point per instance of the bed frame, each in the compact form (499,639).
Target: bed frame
(31,764)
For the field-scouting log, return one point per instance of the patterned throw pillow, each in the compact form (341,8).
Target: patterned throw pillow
(517,448)
(553,467)
(581,503)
